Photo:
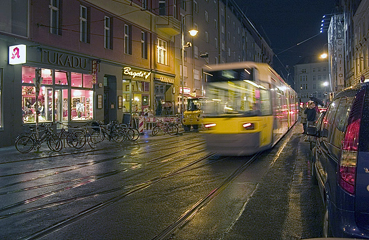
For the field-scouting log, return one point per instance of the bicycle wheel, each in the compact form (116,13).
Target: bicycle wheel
(76,139)
(172,129)
(134,133)
(116,135)
(97,136)
(89,140)
(54,143)
(24,144)
(155,130)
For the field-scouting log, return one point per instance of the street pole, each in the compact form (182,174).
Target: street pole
(182,59)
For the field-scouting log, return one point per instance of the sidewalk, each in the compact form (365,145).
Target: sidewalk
(285,205)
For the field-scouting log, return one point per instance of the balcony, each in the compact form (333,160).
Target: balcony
(168,25)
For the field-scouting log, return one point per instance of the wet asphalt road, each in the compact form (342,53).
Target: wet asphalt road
(138,190)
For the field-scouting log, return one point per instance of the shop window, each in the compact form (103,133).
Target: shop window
(47,76)
(81,104)
(76,79)
(28,74)
(61,77)
(45,100)
(88,81)
(126,106)
(61,105)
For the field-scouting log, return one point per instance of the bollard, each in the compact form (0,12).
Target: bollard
(141,125)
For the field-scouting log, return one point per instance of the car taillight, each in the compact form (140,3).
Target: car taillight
(248,126)
(350,146)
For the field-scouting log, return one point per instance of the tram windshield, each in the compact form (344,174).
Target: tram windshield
(236,98)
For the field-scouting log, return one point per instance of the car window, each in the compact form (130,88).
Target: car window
(340,121)
(329,118)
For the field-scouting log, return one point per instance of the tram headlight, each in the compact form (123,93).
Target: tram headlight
(209,125)
(248,126)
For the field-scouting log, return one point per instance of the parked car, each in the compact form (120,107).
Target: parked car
(340,163)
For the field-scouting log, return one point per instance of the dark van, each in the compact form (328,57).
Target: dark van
(340,163)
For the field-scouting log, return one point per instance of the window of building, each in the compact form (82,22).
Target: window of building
(162,8)
(1,98)
(195,7)
(196,52)
(216,60)
(54,16)
(206,16)
(175,15)
(83,24)
(216,42)
(107,33)
(162,51)
(303,70)
(144,4)
(215,24)
(143,45)
(183,4)
(207,37)
(127,39)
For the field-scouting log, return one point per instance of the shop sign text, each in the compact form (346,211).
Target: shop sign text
(128,71)
(64,60)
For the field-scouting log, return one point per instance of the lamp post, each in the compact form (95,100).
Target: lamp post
(193,33)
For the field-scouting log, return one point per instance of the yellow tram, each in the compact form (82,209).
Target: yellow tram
(248,107)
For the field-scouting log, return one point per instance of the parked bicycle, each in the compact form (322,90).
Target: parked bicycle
(166,127)
(101,132)
(27,142)
(72,136)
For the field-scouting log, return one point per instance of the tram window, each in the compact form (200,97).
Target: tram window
(266,107)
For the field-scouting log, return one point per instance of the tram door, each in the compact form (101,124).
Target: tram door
(110,99)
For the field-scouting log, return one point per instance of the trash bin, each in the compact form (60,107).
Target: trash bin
(126,119)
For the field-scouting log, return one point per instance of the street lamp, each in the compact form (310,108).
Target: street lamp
(193,33)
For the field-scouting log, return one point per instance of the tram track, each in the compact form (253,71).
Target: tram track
(132,189)
(113,146)
(194,209)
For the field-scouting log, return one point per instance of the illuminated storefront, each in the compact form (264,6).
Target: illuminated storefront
(164,95)
(136,91)
(64,96)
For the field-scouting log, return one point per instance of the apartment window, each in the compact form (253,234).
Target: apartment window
(144,45)
(183,4)
(229,52)
(175,9)
(1,102)
(216,42)
(314,86)
(195,7)
(162,52)
(107,33)
(144,4)
(54,16)
(216,60)
(215,24)
(83,24)
(206,16)
(207,37)
(127,39)
(162,8)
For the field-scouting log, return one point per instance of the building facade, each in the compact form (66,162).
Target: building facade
(312,79)
(100,59)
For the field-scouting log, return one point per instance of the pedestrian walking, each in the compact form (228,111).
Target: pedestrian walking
(311,113)
(303,120)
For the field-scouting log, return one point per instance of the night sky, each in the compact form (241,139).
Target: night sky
(285,23)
